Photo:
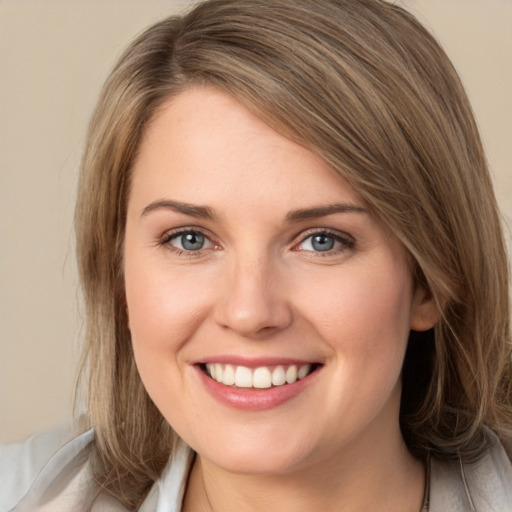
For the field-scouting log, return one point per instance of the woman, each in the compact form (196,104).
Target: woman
(294,273)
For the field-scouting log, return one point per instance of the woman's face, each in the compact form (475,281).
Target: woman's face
(247,258)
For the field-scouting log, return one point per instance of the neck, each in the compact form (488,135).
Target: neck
(385,478)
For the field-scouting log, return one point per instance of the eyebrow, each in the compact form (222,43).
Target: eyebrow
(201,212)
(205,212)
(322,211)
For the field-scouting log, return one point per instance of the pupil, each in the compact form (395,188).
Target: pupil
(192,241)
(322,243)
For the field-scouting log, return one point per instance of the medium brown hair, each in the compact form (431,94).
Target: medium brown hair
(362,84)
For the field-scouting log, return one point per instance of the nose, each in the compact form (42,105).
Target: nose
(253,304)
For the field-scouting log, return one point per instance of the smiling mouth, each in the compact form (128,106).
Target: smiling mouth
(263,377)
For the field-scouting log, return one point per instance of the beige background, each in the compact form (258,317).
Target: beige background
(54,56)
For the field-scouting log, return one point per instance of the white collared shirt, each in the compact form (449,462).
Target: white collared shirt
(40,475)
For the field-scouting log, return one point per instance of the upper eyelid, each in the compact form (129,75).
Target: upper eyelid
(171,233)
(342,235)
(346,241)
(166,238)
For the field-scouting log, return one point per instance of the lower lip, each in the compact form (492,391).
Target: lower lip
(251,399)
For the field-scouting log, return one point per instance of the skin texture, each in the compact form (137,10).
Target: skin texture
(258,289)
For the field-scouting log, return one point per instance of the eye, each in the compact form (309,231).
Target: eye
(324,241)
(192,241)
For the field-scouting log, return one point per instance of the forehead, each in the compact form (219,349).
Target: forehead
(206,145)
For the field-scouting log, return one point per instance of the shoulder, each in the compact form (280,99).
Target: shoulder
(31,471)
(51,472)
(483,486)
(21,462)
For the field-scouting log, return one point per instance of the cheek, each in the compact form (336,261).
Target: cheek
(163,316)
(165,304)
(364,316)
(164,308)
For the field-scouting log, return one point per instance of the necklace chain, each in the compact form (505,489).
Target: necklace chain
(426,500)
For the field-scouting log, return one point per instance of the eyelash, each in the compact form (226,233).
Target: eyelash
(346,241)
(169,236)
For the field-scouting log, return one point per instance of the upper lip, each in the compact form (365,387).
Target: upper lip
(254,362)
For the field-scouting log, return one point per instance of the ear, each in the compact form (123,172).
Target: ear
(424,312)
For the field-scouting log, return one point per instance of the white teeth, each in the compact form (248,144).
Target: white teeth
(228,377)
(243,377)
(291,374)
(260,378)
(303,371)
(278,376)
(210,368)
(218,372)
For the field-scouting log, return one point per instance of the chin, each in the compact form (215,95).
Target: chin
(258,452)
(256,462)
